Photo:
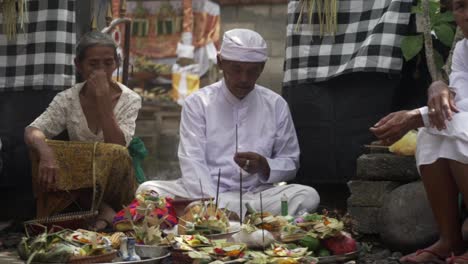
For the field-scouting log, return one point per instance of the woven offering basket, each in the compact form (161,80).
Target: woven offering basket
(180,256)
(72,220)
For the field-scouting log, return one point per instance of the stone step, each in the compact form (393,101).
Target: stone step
(369,193)
(386,167)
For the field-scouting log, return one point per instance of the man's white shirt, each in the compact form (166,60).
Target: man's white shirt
(208,139)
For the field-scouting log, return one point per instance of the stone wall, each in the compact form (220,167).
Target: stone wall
(158,127)
(388,199)
(269,20)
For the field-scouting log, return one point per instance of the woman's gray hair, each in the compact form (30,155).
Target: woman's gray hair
(95,38)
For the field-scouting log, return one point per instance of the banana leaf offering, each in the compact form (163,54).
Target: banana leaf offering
(60,247)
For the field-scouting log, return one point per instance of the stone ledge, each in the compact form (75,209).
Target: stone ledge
(386,167)
(369,193)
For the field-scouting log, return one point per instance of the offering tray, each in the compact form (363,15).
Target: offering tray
(155,260)
(339,258)
(234,227)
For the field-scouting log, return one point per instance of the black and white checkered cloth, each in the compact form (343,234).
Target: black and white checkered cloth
(367,39)
(41,57)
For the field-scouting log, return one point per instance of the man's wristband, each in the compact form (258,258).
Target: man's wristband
(425,115)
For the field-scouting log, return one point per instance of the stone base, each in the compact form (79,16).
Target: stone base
(367,219)
(386,167)
(369,193)
(406,221)
(383,202)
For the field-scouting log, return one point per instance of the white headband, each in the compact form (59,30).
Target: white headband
(243,45)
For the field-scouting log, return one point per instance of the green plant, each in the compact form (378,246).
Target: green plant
(439,23)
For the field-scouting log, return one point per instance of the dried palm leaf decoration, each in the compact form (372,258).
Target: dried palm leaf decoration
(13,12)
(326,10)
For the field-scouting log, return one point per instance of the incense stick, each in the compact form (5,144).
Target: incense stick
(217,188)
(240,196)
(240,181)
(236,140)
(261,217)
(202,197)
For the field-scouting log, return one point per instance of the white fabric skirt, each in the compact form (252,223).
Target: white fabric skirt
(450,143)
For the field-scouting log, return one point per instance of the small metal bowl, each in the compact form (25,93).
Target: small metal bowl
(150,251)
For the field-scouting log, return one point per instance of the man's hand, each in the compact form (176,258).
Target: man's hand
(48,170)
(252,163)
(98,85)
(441,104)
(395,125)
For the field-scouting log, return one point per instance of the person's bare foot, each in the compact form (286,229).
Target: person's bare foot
(437,253)
(100,225)
(461,259)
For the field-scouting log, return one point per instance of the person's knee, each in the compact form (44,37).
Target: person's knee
(146,186)
(308,197)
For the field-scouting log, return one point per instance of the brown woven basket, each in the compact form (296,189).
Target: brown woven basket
(180,256)
(108,257)
(72,221)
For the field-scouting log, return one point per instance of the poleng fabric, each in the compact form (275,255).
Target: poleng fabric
(367,38)
(41,56)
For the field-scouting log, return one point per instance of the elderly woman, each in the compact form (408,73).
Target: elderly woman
(96,110)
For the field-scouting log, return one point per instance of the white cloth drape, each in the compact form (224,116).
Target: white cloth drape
(452,142)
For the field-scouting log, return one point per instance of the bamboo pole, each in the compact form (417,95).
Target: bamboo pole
(446,70)
(428,47)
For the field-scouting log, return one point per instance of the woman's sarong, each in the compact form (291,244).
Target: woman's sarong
(104,168)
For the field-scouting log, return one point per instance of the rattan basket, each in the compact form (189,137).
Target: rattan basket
(180,256)
(72,220)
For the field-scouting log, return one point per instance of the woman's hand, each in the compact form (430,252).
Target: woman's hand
(48,169)
(395,125)
(98,85)
(252,163)
(441,104)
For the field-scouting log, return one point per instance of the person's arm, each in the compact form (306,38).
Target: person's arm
(192,151)
(393,126)
(441,103)
(47,168)
(284,161)
(47,125)
(99,87)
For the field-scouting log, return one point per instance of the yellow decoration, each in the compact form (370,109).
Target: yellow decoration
(183,84)
(14,12)
(327,12)
(406,146)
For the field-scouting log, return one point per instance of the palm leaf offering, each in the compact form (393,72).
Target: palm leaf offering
(63,245)
(326,12)
(204,219)
(14,12)
(147,231)
(264,238)
(320,226)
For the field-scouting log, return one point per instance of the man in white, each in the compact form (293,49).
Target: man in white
(237,127)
